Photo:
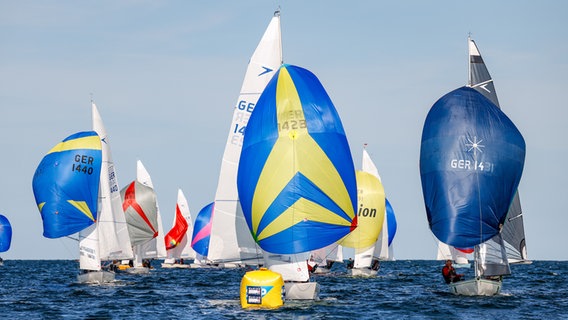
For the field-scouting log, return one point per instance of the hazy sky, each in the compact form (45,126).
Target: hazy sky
(166,76)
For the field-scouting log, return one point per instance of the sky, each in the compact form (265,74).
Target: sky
(166,75)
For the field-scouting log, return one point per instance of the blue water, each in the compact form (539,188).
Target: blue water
(31,289)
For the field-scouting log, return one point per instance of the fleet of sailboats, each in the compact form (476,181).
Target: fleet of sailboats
(288,196)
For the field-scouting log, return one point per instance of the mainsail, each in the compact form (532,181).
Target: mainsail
(111,233)
(513,230)
(230,238)
(296,179)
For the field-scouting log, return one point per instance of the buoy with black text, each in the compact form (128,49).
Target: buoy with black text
(262,289)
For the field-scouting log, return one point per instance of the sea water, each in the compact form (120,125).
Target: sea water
(407,289)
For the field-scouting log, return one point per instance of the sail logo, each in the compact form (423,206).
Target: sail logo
(83,164)
(367,212)
(472,146)
(266,70)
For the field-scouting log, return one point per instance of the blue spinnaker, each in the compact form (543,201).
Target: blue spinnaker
(471,161)
(202,230)
(391,221)
(5,233)
(66,185)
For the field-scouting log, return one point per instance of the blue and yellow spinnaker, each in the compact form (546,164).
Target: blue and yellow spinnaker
(296,178)
(66,184)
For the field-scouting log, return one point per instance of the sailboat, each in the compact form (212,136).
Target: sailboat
(72,187)
(231,243)
(370,218)
(513,229)
(322,260)
(5,235)
(178,239)
(140,208)
(296,179)
(155,248)
(471,162)
(111,232)
(144,221)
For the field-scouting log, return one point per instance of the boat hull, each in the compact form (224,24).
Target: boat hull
(302,290)
(321,270)
(363,272)
(137,270)
(476,287)
(96,277)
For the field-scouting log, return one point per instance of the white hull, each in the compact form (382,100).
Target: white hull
(476,287)
(175,266)
(137,270)
(322,270)
(462,265)
(96,277)
(302,290)
(363,272)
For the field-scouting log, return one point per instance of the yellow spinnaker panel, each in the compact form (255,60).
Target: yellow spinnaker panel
(296,151)
(371,212)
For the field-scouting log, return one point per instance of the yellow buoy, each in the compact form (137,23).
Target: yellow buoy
(262,289)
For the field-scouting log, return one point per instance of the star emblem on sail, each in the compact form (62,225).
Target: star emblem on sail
(474,145)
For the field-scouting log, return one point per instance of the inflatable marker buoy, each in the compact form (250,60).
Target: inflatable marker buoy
(262,289)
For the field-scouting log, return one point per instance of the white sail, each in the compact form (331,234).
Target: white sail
(381,248)
(363,257)
(230,238)
(382,245)
(156,247)
(108,239)
(446,252)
